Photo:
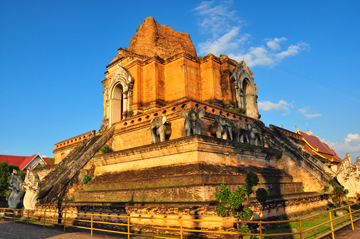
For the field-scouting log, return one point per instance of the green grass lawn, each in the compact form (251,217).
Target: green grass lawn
(311,222)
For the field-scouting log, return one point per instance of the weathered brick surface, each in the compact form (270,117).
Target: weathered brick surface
(299,174)
(187,150)
(154,39)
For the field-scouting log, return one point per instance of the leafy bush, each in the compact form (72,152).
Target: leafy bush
(5,176)
(279,155)
(251,180)
(339,192)
(105,149)
(87,178)
(326,188)
(335,200)
(235,200)
(261,195)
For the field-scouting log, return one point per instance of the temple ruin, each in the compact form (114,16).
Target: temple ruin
(176,125)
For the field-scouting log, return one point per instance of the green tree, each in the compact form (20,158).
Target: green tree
(235,201)
(4,178)
(338,191)
(22,174)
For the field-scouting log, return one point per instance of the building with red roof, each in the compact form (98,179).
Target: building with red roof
(320,150)
(313,145)
(25,162)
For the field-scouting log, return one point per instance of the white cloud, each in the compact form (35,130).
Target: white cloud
(224,43)
(6,151)
(44,156)
(303,110)
(351,137)
(351,144)
(269,106)
(309,116)
(273,44)
(215,19)
(224,28)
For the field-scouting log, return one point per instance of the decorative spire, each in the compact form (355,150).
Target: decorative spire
(282,126)
(307,128)
(297,130)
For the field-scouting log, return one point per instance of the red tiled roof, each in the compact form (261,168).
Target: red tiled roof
(316,147)
(20,161)
(16,160)
(27,161)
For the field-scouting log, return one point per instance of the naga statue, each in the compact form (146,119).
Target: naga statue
(15,186)
(348,175)
(32,189)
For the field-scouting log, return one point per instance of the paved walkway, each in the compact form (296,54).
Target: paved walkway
(11,230)
(347,232)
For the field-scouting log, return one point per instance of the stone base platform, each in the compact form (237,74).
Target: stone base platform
(157,213)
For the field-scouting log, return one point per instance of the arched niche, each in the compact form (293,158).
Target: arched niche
(119,96)
(245,90)
(116,104)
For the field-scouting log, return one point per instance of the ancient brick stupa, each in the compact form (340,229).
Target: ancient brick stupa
(176,125)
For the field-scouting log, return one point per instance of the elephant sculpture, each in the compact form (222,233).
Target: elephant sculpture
(255,137)
(17,190)
(221,126)
(159,127)
(192,121)
(240,131)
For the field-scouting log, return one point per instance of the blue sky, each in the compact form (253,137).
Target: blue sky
(304,55)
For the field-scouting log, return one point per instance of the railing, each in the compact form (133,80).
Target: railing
(306,225)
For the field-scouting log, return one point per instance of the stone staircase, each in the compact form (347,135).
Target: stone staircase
(315,167)
(54,183)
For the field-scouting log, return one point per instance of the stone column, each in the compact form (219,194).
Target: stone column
(125,104)
(130,100)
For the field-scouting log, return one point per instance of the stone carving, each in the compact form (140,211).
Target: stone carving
(192,121)
(32,189)
(159,127)
(17,193)
(240,131)
(348,175)
(357,169)
(254,136)
(245,90)
(221,126)
(122,77)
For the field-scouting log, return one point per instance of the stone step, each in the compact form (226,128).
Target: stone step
(182,175)
(174,181)
(189,193)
